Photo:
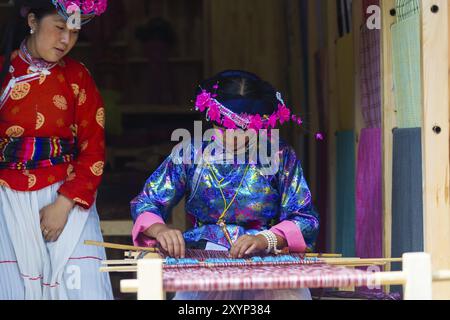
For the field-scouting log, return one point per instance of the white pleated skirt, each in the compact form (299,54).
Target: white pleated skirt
(33,269)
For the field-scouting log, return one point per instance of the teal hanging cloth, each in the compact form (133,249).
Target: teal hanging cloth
(345,193)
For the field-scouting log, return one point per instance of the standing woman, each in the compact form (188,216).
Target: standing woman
(52,153)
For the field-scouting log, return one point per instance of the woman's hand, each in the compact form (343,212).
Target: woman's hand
(247,245)
(54,218)
(170,240)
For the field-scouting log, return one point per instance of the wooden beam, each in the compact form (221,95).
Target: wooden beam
(435,137)
(332,35)
(389,121)
(313,110)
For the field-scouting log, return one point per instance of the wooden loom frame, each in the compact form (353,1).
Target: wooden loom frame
(416,277)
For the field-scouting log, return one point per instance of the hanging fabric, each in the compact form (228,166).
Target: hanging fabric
(406,8)
(369,204)
(345,193)
(407,195)
(406,64)
(370,77)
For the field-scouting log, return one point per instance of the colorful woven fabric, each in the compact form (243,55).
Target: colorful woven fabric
(369,202)
(34,153)
(406,9)
(345,194)
(370,82)
(407,193)
(267,277)
(407,73)
(207,258)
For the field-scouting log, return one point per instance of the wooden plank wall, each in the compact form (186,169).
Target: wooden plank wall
(389,121)
(244,35)
(435,137)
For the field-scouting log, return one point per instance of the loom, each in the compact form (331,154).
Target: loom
(154,277)
(203,270)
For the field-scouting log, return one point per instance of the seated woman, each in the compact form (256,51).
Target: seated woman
(240,207)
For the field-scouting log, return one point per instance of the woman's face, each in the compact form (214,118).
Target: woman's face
(52,39)
(233,139)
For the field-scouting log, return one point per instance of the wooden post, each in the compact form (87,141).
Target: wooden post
(333,121)
(435,137)
(313,114)
(150,279)
(417,272)
(389,121)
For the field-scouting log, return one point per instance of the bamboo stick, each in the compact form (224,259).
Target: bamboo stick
(359,260)
(134,248)
(119,246)
(119,269)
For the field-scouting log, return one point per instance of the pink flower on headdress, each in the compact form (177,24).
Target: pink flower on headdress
(255,122)
(284,114)
(228,123)
(88,6)
(203,101)
(272,122)
(214,113)
(101,7)
(319,136)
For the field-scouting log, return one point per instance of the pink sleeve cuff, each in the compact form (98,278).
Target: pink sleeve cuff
(143,222)
(289,231)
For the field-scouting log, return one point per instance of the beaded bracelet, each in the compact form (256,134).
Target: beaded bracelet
(271,240)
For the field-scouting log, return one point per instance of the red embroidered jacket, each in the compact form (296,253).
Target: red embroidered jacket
(64,104)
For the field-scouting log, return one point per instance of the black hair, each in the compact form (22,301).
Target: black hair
(242,92)
(17,28)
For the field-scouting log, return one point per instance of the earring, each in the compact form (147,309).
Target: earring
(31,31)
